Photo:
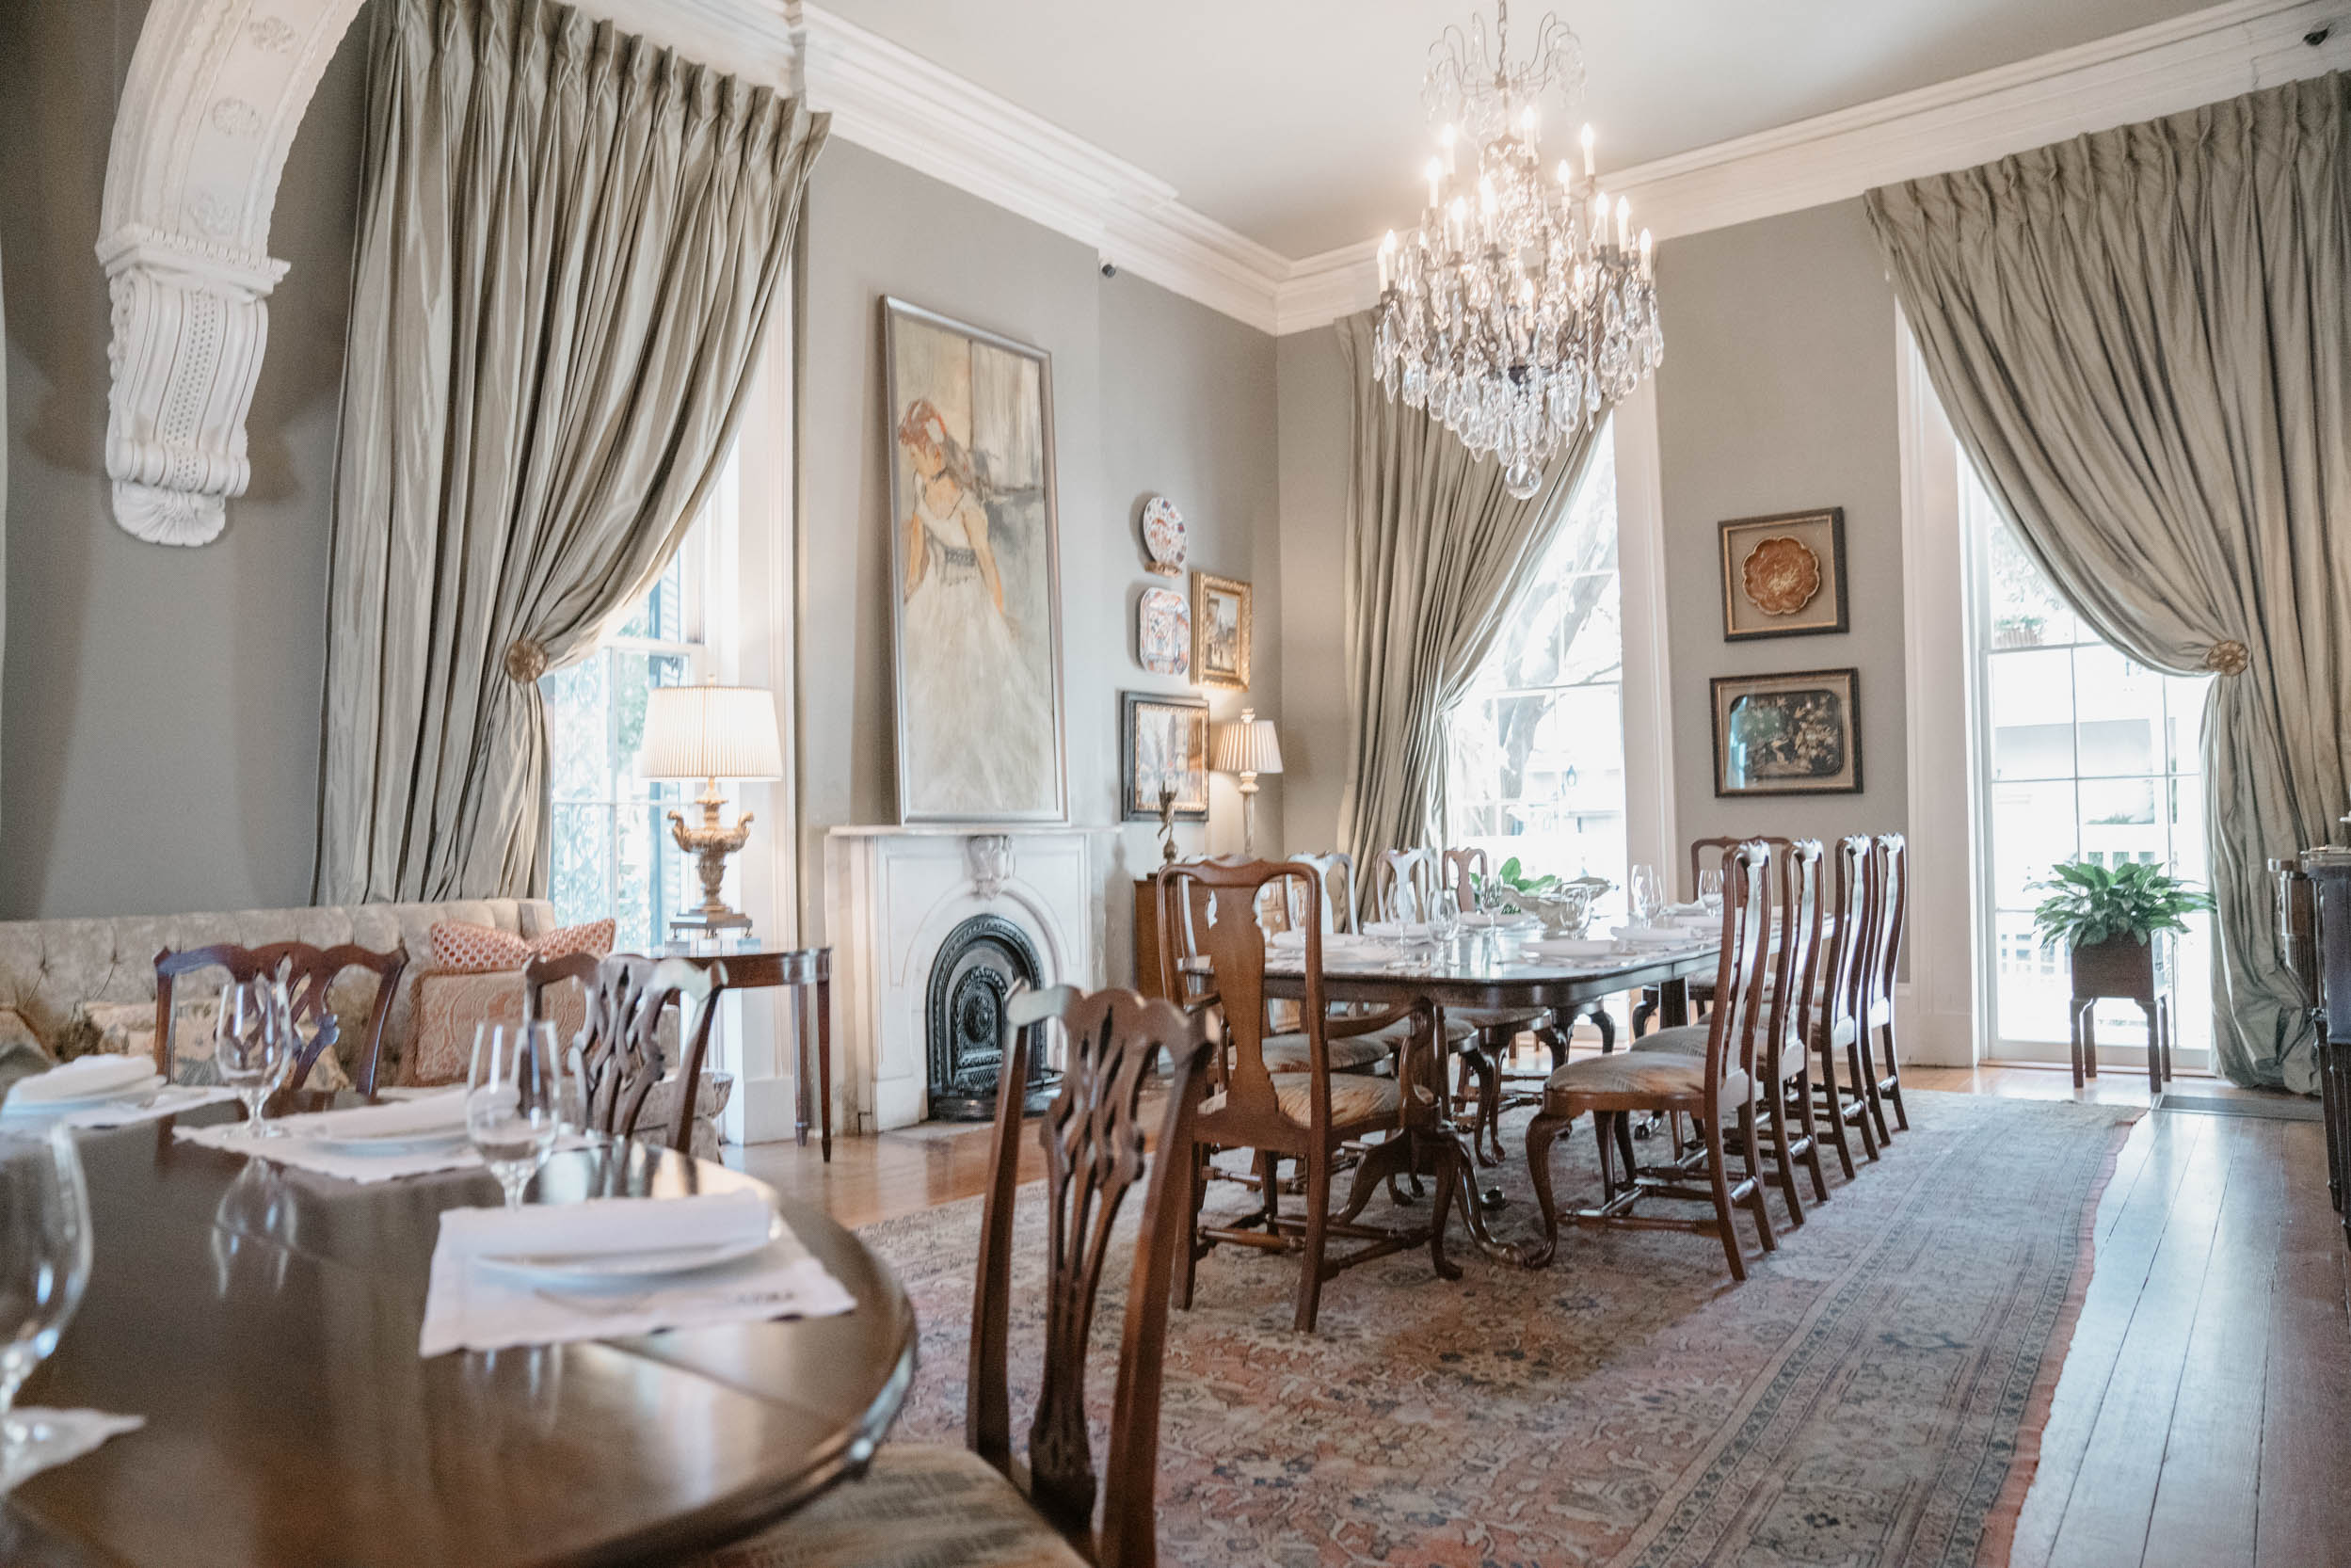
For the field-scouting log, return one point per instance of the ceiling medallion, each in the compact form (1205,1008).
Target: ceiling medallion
(1521,306)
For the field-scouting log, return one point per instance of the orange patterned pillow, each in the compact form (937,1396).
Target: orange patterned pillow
(462,949)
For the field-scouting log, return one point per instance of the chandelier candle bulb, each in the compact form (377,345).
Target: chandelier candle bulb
(1590,169)
(1624,223)
(1646,271)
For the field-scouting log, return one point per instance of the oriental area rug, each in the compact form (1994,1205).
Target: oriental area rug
(1872,1396)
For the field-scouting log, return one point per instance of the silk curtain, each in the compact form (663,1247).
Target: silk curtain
(1438,553)
(2143,339)
(570,245)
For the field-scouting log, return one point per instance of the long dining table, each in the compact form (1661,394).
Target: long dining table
(266,1322)
(1494,970)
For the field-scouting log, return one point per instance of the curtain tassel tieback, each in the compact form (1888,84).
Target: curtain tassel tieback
(2227,658)
(526,660)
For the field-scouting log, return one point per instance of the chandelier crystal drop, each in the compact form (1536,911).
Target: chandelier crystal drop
(1522,305)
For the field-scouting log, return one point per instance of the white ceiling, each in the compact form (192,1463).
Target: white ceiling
(1297,123)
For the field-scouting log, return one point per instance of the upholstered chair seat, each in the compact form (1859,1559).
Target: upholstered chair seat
(1479,1019)
(1356,1098)
(920,1506)
(1691,1040)
(1287,1053)
(1647,1073)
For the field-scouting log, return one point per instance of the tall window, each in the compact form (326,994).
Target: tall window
(609,850)
(2085,754)
(1537,744)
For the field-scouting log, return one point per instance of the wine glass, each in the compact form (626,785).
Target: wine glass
(253,1045)
(1642,888)
(513,1101)
(1710,890)
(44,1263)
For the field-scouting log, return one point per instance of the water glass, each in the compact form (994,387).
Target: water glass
(1710,890)
(513,1101)
(44,1263)
(1645,892)
(253,1045)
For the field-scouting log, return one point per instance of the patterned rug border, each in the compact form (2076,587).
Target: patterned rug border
(2053,1317)
(1999,1542)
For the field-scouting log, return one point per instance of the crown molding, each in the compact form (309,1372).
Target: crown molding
(2199,58)
(891,101)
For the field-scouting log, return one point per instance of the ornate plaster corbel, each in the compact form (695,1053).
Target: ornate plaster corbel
(215,91)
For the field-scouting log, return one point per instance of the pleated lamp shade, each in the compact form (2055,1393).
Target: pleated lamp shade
(711,732)
(1248,745)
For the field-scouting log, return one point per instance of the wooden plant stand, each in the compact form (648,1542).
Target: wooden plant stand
(2120,969)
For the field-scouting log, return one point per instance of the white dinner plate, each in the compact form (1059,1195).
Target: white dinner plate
(412,1140)
(138,1088)
(608,1267)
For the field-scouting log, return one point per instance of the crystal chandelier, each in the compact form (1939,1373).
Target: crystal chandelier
(1521,305)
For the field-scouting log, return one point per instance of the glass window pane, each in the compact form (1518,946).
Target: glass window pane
(2183,709)
(2032,829)
(2025,611)
(2121,708)
(2032,714)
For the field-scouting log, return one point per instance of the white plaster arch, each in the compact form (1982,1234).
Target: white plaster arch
(215,91)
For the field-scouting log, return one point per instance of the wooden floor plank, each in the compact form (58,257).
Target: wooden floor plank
(2132,1224)
(2211,1463)
(2114,1486)
(2303,1519)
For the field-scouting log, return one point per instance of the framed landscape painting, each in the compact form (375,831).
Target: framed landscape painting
(1220,631)
(1796,734)
(1163,741)
(975,573)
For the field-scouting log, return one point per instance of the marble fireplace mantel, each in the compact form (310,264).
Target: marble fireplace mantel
(894,894)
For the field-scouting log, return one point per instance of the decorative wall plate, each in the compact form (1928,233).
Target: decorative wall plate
(1782,575)
(1163,536)
(1163,632)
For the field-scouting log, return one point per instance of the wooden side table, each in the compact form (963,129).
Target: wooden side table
(798,971)
(2122,970)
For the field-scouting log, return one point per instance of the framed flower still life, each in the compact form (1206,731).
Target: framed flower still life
(1784,576)
(1220,631)
(1795,734)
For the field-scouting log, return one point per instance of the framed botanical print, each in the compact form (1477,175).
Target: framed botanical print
(1220,631)
(1797,734)
(1784,576)
(975,587)
(1163,741)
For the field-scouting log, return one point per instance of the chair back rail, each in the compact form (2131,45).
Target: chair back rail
(1405,882)
(1234,943)
(1335,870)
(1461,866)
(309,973)
(1799,966)
(1093,1133)
(1837,994)
(1741,972)
(1890,869)
(1700,848)
(620,1043)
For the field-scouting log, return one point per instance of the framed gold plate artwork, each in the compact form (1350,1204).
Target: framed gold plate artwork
(1162,741)
(1784,576)
(1797,734)
(974,576)
(1220,631)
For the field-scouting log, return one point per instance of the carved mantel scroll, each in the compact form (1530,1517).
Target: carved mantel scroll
(215,91)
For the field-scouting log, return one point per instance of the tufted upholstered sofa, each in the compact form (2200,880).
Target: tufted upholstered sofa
(49,968)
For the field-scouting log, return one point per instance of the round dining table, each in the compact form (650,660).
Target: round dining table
(265,1321)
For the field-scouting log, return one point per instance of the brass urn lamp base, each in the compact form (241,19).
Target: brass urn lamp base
(709,844)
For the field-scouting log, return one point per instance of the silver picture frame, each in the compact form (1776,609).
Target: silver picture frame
(1002,686)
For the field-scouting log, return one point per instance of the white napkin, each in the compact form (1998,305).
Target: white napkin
(1681,910)
(365,1169)
(71,1434)
(602,1226)
(1571,948)
(442,1111)
(79,1080)
(467,1307)
(1654,935)
(1502,919)
(168,1100)
(1407,931)
(1294,943)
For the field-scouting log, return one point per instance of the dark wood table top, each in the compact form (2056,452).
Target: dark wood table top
(1488,974)
(266,1322)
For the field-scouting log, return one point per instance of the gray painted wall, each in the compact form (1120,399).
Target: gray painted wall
(1315,435)
(1777,395)
(1151,393)
(159,721)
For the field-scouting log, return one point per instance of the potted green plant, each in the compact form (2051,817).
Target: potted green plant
(2107,918)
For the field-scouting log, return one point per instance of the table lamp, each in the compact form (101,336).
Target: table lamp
(711,732)
(1248,748)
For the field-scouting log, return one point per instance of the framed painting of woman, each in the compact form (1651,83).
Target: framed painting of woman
(975,573)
